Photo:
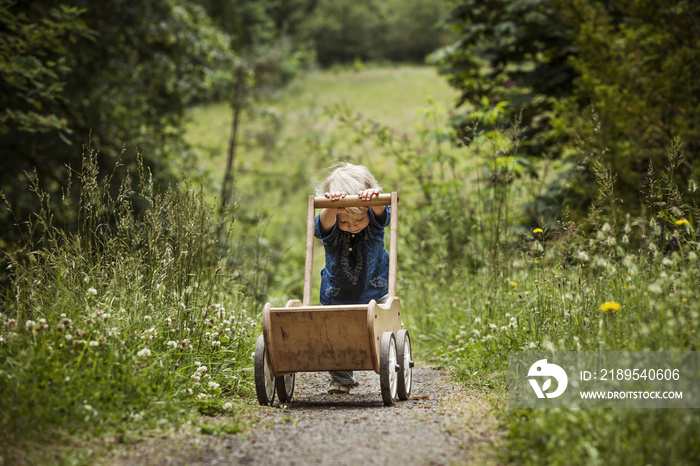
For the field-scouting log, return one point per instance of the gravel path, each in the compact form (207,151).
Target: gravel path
(439,424)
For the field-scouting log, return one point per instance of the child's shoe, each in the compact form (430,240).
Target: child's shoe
(338,388)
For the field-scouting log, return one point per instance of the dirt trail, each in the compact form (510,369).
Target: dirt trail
(440,424)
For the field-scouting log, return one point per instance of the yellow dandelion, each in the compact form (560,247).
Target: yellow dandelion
(513,284)
(537,230)
(682,222)
(685,300)
(610,306)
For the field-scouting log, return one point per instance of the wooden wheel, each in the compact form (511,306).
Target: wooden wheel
(388,367)
(404,357)
(285,387)
(264,381)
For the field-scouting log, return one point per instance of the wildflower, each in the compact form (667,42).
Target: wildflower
(213,385)
(31,325)
(610,306)
(513,284)
(228,406)
(94,343)
(202,369)
(202,396)
(42,324)
(92,292)
(682,222)
(144,353)
(477,320)
(188,391)
(537,230)
(197,363)
(69,337)
(172,344)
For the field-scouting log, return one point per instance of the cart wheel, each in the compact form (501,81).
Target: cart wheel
(403,355)
(264,381)
(388,375)
(285,387)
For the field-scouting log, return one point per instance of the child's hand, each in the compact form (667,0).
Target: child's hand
(368,194)
(335,195)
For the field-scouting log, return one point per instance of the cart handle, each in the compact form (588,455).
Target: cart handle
(350,201)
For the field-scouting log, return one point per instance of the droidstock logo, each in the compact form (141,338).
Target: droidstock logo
(543,369)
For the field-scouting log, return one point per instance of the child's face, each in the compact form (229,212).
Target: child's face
(352,224)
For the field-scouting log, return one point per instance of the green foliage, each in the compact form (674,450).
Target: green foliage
(133,322)
(399,31)
(636,61)
(33,65)
(508,51)
(88,72)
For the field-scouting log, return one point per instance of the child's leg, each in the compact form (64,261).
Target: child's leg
(343,378)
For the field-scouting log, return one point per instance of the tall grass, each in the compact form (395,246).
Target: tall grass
(479,281)
(137,320)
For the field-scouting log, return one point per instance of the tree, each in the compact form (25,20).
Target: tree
(638,88)
(120,73)
(509,52)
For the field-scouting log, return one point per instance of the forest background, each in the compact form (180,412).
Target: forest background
(553,205)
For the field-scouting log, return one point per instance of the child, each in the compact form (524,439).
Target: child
(357,264)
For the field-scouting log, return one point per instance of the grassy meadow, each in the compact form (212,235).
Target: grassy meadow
(146,322)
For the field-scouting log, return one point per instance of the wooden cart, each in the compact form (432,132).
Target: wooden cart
(304,338)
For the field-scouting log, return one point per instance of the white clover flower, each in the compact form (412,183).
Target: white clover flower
(583,256)
(2,339)
(213,385)
(69,337)
(477,320)
(195,376)
(655,288)
(202,396)
(94,343)
(476,332)
(92,292)
(31,325)
(172,344)
(188,391)
(197,363)
(201,369)
(144,353)
(228,406)
(216,343)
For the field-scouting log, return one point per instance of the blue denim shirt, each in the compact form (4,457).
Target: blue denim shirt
(357,265)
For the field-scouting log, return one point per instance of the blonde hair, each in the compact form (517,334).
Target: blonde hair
(350,179)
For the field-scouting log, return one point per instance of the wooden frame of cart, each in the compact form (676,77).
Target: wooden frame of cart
(304,338)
